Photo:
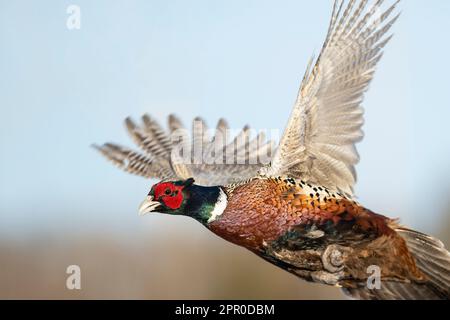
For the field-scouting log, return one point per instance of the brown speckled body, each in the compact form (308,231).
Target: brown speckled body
(260,212)
(264,209)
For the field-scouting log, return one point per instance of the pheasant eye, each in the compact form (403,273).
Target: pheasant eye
(168,191)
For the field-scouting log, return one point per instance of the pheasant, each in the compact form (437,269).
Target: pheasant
(298,211)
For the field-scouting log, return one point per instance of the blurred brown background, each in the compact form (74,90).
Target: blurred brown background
(177,260)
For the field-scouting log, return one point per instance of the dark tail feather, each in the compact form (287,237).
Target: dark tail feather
(431,258)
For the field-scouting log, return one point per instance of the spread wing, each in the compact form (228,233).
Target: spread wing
(180,154)
(319,141)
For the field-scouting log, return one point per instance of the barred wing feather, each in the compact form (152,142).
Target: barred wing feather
(176,154)
(319,141)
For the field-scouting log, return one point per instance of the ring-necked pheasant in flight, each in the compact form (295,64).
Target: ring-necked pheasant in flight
(297,212)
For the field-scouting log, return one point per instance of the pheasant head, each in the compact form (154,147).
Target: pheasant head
(185,198)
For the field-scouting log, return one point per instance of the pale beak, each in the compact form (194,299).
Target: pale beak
(148,205)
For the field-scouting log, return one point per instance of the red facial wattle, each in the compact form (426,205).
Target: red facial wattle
(170,194)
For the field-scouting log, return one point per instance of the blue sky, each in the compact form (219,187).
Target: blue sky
(62,90)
